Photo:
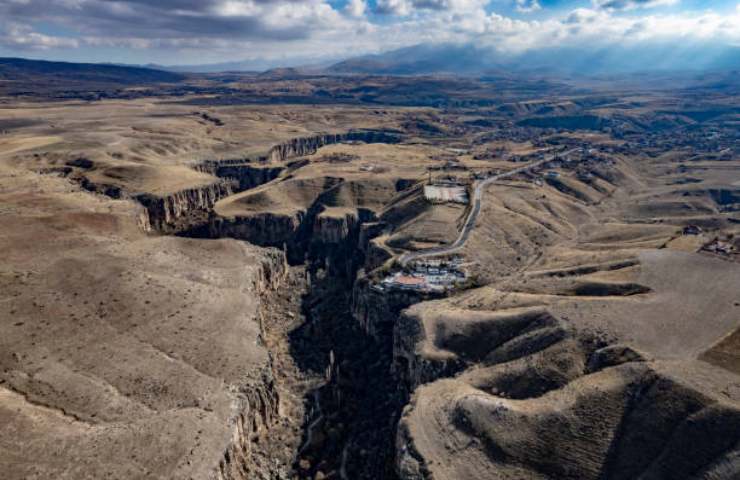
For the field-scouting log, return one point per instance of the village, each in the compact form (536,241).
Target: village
(430,276)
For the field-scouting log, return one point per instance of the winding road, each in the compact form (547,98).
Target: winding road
(459,243)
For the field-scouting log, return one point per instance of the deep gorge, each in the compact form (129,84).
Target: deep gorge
(349,427)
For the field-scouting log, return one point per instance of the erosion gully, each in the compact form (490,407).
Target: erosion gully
(351,428)
(340,403)
(351,401)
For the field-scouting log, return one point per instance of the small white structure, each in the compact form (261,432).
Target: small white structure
(446,193)
(430,276)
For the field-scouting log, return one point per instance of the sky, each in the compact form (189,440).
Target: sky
(293,32)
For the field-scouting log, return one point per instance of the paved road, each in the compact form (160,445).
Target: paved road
(480,187)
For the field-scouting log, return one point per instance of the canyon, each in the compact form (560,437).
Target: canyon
(203,299)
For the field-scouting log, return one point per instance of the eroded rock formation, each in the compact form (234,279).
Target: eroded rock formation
(166,211)
(127,355)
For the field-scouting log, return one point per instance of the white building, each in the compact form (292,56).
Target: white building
(446,193)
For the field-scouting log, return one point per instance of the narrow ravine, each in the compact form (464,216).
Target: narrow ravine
(351,433)
(339,403)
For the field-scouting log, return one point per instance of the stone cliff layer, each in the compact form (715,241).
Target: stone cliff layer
(166,212)
(300,147)
(184,209)
(128,356)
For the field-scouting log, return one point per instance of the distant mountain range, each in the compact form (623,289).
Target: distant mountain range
(249,66)
(705,64)
(20,70)
(475,60)
(571,61)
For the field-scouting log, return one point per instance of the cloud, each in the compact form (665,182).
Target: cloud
(393,7)
(632,4)
(406,7)
(355,8)
(211,31)
(584,15)
(528,6)
(172,19)
(22,37)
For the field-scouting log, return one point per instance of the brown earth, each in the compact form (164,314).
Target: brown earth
(594,338)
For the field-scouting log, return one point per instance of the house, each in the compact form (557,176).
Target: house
(409,282)
(446,193)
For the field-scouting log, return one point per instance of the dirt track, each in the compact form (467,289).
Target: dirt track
(472,217)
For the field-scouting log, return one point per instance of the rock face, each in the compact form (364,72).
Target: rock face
(255,412)
(115,360)
(300,147)
(243,173)
(165,212)
(170,212)
(265,229)
(238,175)
(247,176)
(332,240)
(377,312)
(335,229)
(256,409)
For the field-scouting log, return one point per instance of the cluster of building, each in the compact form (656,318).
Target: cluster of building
(715,142)
(426,276)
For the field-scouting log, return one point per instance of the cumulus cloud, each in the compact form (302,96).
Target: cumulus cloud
(22,37)
(210,31)
(584,15)
(355,8)
(631,4)
(393,7)
(259,19)
(528,6)
(406,7)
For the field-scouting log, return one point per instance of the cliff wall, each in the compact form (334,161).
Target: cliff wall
(166,212)
(300,147)
(257,406)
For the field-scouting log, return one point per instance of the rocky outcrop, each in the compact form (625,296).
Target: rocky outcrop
(300,147)
(166,212)
(264,229)
(256,410)
(377,312)
(249,177)
(257,406)
(304,234)
(331,229)
(169,213)
(242,173)
(375,253)
(273,271)
(409,367)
